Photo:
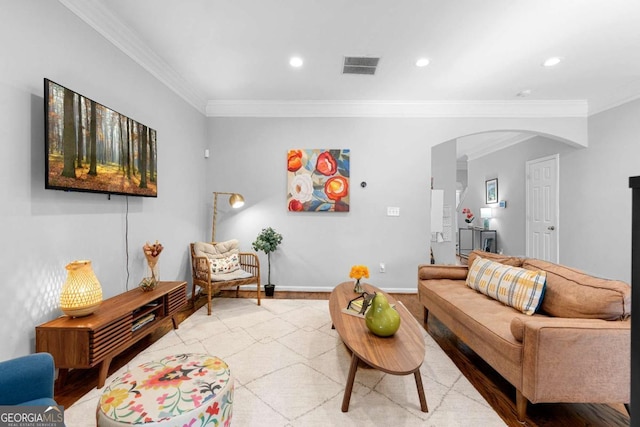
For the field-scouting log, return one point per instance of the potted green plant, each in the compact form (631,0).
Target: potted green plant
(267,242)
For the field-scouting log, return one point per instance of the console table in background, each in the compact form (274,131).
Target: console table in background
(476,238)
(119,322)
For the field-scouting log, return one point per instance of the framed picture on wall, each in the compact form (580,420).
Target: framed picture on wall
(491,190)
(318,180)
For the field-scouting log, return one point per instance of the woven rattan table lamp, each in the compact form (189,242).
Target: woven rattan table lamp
(81,293)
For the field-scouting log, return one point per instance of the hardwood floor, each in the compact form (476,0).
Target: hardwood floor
(498,392)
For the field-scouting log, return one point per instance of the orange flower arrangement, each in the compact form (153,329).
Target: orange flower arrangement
(358,272)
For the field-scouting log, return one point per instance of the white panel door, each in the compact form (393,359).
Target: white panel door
(542,208)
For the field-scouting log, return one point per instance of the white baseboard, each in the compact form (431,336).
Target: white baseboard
(330,288)
(327,289)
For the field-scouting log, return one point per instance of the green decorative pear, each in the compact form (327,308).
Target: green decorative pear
(382,319)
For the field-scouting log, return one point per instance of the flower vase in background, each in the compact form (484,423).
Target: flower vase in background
(358,272)
(468,217)
(153,270)
(152,254)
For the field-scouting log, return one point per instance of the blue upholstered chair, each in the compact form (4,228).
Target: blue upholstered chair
(27,380)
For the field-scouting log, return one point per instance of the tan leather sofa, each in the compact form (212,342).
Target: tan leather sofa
(576,348)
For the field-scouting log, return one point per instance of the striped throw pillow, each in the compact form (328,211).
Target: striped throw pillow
(516,287)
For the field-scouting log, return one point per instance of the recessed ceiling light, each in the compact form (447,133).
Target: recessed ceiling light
(296,62)
(422,62)
(524,93)
(552,62)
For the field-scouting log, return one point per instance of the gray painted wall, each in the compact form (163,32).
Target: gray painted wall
(595,199)
(444,178)
(318,249)
(509,166)
(43,230)
(392,155)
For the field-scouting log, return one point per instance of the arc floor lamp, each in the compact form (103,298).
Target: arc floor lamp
(235,200)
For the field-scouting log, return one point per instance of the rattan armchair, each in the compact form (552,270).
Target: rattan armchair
(201,274)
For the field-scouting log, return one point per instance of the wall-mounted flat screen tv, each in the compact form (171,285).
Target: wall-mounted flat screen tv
(90,147)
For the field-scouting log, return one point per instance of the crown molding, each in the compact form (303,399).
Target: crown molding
(106,23)
(599,107)
(426,109)
(101,19)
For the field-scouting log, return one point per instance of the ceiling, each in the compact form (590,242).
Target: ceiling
(231,57)
(236,52)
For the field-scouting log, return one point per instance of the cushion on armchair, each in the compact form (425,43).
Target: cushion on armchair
(224,260)
(223,256)
(27,380)
(216,249)
(237,274)
(225,264)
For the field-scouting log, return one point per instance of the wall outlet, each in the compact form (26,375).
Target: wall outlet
(393,211)
(382,268)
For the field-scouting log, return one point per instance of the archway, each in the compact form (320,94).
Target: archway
(461,167)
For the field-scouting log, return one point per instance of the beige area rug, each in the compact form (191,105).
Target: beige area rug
(291,368)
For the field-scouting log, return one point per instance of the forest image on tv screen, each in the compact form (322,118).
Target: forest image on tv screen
(93,148)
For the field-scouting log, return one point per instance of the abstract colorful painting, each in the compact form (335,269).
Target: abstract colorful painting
(318,180)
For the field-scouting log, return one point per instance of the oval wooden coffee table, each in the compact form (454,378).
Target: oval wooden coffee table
(400,354)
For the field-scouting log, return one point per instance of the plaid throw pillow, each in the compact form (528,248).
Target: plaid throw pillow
(516,287)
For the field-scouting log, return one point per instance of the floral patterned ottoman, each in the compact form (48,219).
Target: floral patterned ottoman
(180,390)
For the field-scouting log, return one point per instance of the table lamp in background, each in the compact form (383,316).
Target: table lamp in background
(485,214)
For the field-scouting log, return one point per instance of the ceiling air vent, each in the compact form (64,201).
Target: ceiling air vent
(360,65)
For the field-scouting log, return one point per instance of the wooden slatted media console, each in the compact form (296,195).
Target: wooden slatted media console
(119,322)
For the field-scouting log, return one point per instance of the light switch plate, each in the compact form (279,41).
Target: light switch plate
(393,211)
